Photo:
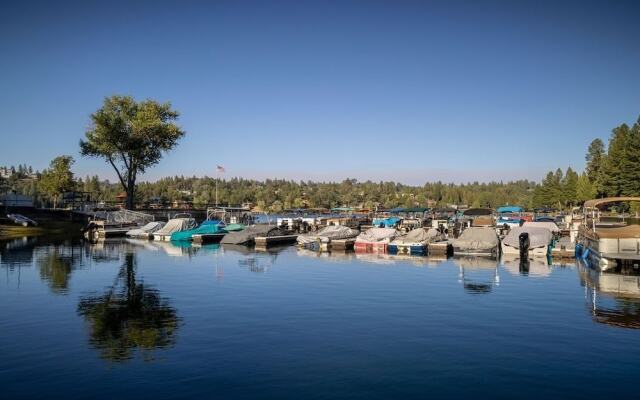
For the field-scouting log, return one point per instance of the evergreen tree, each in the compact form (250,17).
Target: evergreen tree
(610,177)
(630,165)
(585,188)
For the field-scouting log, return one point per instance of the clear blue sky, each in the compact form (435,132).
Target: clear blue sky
(404,90)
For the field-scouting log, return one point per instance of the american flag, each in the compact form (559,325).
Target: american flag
(220,168)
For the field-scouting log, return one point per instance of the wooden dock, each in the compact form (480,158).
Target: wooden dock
(208,238)
(266,241)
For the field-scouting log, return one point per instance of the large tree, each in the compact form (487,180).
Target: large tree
(58,178)
(594,157)
(131,136)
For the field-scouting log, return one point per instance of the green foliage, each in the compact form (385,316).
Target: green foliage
(58,178)
(131,136)
(594,157)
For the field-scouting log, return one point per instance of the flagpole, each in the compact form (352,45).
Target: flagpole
(217,179)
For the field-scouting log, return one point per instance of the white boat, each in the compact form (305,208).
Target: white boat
(415,242)
(320,240)
(529,241)
(477,241)
(147,230)
(180,222)
(608,244)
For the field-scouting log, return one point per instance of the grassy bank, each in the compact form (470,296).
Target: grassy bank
(50,228)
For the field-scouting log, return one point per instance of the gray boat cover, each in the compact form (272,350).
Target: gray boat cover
(420,235)
(176,225)
(377,235)
(544,224)
(328,233)
(538,237)
(249,234)
(147,229)
(477,238)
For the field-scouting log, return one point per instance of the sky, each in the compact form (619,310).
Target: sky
(411,91)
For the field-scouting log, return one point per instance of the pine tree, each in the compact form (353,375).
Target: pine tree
(610,177)
(630,165)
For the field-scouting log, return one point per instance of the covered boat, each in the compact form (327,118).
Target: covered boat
(479,241)
(174,225)
(509,216)
(550,225)
(147,230)
(375,239)
(415,242)
(211,227)
(321,239)
(538,241)
(248,235)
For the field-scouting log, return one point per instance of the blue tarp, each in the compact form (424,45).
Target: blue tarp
(390,222)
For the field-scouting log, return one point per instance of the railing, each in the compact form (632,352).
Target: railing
(123,216)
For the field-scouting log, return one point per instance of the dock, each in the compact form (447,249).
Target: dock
(267,241)
(208,238)
(564,252)
(440,248)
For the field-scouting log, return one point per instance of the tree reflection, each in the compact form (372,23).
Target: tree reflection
(130,316)
(56,271)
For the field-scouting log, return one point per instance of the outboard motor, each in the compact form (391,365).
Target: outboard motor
(523,245)
(524,266)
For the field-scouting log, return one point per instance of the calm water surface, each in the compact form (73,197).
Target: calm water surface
(131,319)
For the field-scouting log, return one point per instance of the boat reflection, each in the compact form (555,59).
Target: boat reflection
(129,317)
(478,275)
(536,267)
(613,297)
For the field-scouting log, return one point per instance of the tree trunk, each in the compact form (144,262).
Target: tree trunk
(131,187)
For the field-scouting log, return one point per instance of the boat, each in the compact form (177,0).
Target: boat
(611,242)
(20,219)
(249,234)
(528,241)
(214,230)
(375,240)
(321,239)
(477,241)
(179,223)
(146,231)
(390,222)
(415,242)
(509,217)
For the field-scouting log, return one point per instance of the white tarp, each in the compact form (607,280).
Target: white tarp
(538,237)
(420,235)
(476,238)
(248,234)
(543,224)
(328,233)
(377,235)
(151,227)
(176,225)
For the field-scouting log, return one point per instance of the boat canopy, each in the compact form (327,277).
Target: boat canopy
(474,212)
(607,200)
(510,209)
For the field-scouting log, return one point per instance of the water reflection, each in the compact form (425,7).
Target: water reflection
(56,264)
(17,252)
(130,316)
(478,275)
(535,268)
(613,297)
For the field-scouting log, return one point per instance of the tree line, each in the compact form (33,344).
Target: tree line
(611,170)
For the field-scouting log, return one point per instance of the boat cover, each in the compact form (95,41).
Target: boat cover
(234,227)
(538,237)
(420,235)
(176,225)
(386,222)
(476,238)
(148,228)
(249,234)
(328,233)
(540,224)
(206,228)
(377,235)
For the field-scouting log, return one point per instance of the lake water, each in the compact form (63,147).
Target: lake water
(150,320)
